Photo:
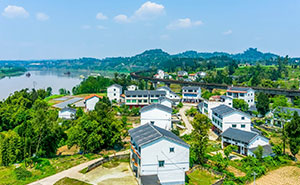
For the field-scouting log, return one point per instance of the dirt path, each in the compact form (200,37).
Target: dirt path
(185,119)
(72,173)
(288,175)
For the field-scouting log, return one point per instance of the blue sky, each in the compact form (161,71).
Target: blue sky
(53,29)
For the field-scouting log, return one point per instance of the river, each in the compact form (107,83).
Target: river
(39,80)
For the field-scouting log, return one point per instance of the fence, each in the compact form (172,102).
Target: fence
(104,160)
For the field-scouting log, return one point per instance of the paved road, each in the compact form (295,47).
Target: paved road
(71,172)
(185,119)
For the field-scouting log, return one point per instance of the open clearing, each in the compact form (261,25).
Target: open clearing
(288,175)
(121,175)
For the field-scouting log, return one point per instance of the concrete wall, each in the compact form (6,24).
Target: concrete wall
(176,163)
(114,93)
(91,103)
(66,115)
(160,118)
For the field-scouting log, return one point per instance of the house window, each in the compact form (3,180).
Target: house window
(114,94)
(133,101)
(145,101)
(128,101)
(161,163)
(243,118)
(114,89)
(172,149)
(229,103)
(243,126)
(140,101)
(152,122)
(233,125)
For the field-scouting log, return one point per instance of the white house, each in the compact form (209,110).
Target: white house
(193,76)
(201,74)
(246,141)
(170,94)
(157,114)
(166,102)
(182,73)
(224,117)
(191,94)
(158,156)
(90,101)
(142,98)
(114,92)
(67,113)
(214,101)
(244,93)
(274,119)
(132,87)
(161,74)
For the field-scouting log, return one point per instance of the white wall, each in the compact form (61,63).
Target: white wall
(166,103)
(65,115)
(258,141)
(161,118)
(114,93)
(91,103)
(175,163)
(236,118)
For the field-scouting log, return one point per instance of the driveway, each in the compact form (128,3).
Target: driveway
(185,119)
(72,172)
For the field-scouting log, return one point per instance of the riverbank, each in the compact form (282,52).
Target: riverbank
(11,71)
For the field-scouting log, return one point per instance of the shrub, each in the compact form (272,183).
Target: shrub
(41,163)
(21,173)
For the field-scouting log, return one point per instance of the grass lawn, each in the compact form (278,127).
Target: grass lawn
(53,97)
(202,177)
(44,169)
(70,181)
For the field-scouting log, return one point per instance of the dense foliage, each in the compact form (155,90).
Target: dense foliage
(92,85)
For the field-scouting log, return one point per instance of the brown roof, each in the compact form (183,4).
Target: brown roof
(91,96)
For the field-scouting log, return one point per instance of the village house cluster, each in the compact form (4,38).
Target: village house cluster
(157,154)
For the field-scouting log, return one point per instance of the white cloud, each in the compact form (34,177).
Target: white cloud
(42,16)
(86,27)
(100,27)
(149,10)
(101,16)
(15,12)
(184,23)
(121,18)
(228,32)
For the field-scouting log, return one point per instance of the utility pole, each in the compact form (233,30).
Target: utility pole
(254,174)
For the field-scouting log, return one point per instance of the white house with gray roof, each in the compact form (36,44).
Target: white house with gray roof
(67,113)
(224,117)
(243,93)
(158,156)
(142,98)
(166,102)
(157,114)
(274,118)
(247,141)
(214,101)
(191,94)
(114,92)
(170,94)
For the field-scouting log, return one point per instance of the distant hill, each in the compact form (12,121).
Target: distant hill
(155,58)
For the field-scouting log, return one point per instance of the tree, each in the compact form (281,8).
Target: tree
(201,125)
(279,101)
(229,149)
(259,152)
(10,148)
(262,104)
(292,129)
(240,104)
(49,91)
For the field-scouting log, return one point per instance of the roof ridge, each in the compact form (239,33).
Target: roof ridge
(152,126)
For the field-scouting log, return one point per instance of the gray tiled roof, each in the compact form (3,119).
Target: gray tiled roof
(165,87)
(156,106)
(190,88)
(68,109)
(162,98)
(267,150)
(145,92)
(225,97)
(239,135)
(148,133)
(223,110)
(116,85)
(292,110)
(239,88)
